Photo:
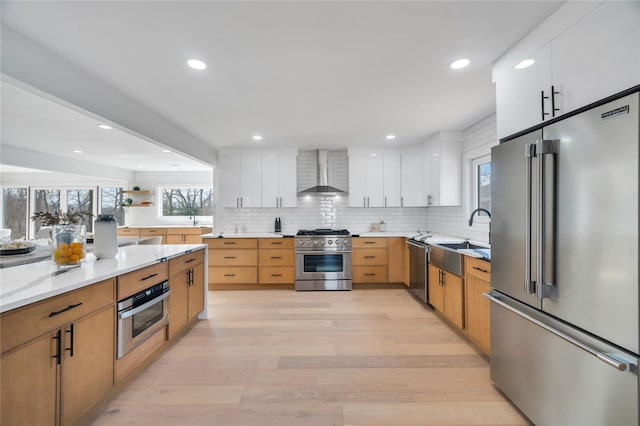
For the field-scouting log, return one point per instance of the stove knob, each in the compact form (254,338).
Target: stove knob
(331,242)
(315,242)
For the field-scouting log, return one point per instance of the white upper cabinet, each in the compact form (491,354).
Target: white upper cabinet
(392,179)
(240,181)
(366,181)
(443,179)
(279,181)
(412,179)
(584,52)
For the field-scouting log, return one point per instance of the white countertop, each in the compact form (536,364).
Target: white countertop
(25,284)
(242,235)
(405,234)
(166,226)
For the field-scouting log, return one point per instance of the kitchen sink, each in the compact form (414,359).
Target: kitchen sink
(462,246)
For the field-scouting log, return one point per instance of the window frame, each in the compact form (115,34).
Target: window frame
(475,164)
(202,220)
(27,218)
(63,201)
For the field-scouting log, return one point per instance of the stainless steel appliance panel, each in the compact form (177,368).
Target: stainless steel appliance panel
(510,212)
(596,276)
(554,382)
(312,285)
(319,266)
(449,260)
(418,264)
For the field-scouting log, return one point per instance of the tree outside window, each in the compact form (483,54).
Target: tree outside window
(111,200)
(187,202)
(14,211)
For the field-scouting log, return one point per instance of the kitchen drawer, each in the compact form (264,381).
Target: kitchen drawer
(230,243)
(242,257)
(369,274)
(478,268)
(276,243)
(363,242)
(276,257)
(276,275)
(23,324)
(233,275)
(136,281)
(376,256)
(185,261)
(153,232)
(129,232)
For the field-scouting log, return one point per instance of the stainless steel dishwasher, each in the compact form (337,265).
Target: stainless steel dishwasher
(418,269)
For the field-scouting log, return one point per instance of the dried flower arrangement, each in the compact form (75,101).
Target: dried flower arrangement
(69,218)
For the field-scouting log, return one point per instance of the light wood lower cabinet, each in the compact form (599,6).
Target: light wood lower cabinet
(233,261)
(369,260)
(395,259)
(477,279)
(186,280)
(276,259)
(170,235)
(56,377)
(446,294)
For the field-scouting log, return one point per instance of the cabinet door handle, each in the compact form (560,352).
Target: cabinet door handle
(401,201)
(148,277)
(70,348)
(444,275)
(229,257)
(480,269)
(58,338)
(553,101)
(542,98)
(385,201)
(190,260)
(68,308)
(229,275)
(188,277)
(241,202)
(237,202)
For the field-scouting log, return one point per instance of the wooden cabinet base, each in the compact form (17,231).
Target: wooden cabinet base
(135,358)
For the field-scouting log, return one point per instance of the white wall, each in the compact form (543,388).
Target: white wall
(478,140)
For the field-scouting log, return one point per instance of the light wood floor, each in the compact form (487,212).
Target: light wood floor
(280,357)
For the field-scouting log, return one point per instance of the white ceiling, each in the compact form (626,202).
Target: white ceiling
(305,74)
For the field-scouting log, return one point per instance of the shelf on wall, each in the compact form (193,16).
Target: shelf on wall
(131,191)
(136,205)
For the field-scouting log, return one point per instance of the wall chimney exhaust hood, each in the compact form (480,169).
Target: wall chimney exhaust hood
(323,177)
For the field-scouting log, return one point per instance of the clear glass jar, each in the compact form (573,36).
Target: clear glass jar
(69,245)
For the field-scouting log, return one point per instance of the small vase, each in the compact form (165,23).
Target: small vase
(69,245)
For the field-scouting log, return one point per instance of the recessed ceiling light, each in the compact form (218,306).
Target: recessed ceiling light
(460,63)
(391,137)
(374,155)
(105,127)
(524,64)
(140,165)
(174,165)
(166,150)
(77,151)
(256,137)
(196,64)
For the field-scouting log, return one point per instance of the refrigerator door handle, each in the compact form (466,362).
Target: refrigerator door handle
(529,284)
(616,361)
(545,191)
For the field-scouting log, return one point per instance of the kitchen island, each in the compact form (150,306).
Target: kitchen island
(69,340)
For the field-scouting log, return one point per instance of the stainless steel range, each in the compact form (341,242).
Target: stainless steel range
(323,259)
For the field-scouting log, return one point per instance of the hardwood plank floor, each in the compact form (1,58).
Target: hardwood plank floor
(280,357)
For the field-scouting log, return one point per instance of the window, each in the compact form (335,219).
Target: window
(482,182)
(81,200)
(14,211)
(111,203)
(63,200)
(187,202)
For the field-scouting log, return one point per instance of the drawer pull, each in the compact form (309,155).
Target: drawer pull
(229,275)
(277,243)
(190,260)
(68,308)
(369,242)
(229,242)
(150,276)
(276,275)
(229,257)
(369,274)
(58,338)
(369,257)
(480,269)
(276,257)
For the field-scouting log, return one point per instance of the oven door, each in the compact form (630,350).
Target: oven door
(312,265)
(135,325)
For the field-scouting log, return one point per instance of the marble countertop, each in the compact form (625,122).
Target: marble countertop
(243,235)
(405,234)
(25,284)
(166,226)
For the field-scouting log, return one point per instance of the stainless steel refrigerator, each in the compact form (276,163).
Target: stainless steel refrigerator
(564,311)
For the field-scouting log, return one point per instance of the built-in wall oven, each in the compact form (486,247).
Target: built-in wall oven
(323,260)
(418,269)
(141,315)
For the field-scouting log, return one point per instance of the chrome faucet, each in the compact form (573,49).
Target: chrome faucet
(193,218)
(478,211)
